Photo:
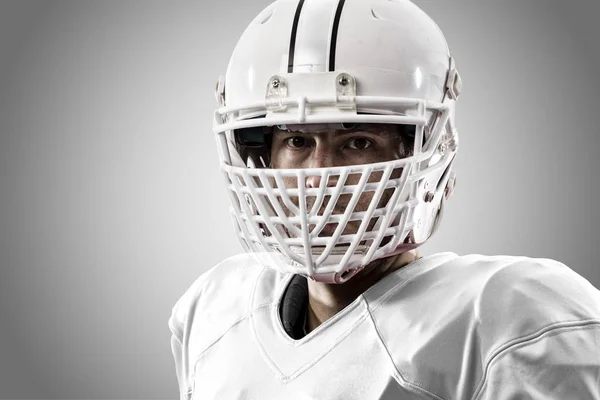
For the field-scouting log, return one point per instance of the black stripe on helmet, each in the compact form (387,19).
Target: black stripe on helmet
(293,38)
(334,33)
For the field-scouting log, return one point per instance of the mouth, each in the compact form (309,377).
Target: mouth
(329,229)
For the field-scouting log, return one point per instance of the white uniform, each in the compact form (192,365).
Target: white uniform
(444,327)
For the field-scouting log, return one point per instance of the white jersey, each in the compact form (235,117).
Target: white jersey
(443,327)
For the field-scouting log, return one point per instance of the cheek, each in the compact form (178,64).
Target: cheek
(367,196)
(290,182)
(396,173)
(278,157)
(275,158)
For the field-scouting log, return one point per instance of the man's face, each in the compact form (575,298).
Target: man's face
(329,145)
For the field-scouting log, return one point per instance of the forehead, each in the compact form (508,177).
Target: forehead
(338,128)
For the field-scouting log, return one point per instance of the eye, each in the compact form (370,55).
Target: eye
(295,142)
(359,143)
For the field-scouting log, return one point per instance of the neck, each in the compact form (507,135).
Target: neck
(326,299)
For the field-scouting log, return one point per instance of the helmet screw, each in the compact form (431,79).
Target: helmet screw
(428,197)
(343,81)
(443,148)
(275,83)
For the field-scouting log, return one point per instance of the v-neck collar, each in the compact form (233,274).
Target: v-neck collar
(289,357)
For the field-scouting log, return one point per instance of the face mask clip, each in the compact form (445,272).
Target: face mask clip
(277,91)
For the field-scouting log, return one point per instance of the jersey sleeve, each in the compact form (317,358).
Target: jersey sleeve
(177,327)
(176,349)
(180,324)
(207,309)
(561,362)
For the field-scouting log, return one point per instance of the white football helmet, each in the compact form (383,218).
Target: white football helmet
(337,62)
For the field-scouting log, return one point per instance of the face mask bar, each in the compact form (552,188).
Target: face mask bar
(289,232)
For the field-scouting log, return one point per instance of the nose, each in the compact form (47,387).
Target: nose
(314,181)
(321,158)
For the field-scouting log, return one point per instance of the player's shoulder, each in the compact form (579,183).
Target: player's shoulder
(494,290)
(445,306)
(236,271)
(221,297)
(537,289)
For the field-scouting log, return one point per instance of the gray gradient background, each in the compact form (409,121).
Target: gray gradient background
(111,201)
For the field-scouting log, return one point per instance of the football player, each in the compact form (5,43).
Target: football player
(335,127)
